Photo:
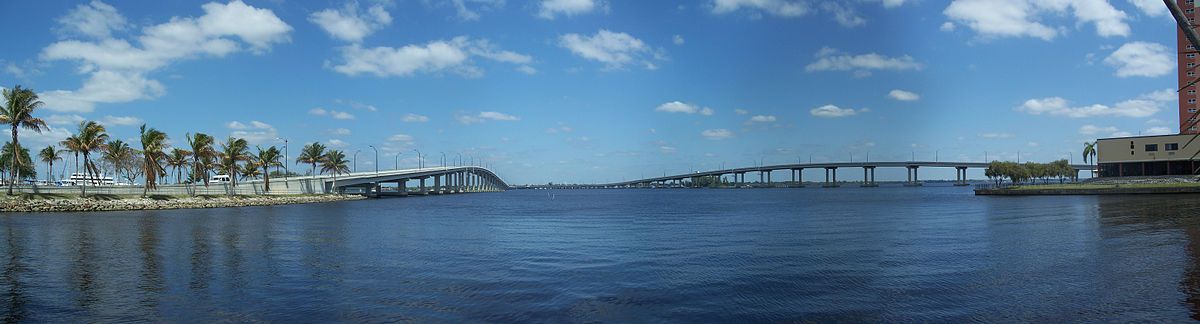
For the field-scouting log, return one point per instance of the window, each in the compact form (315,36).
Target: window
(1192,110)
(1191,101)
(1151,147)
(1130,145)
(1171,146)
(1191,92)
(1191,55)
(1191,73)
(1192,129)
(1191,65)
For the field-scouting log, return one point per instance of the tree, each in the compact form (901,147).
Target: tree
(232,152)
(202,154)
(90,138)
(153,143)
(48,155)
(335,162)
(18,113)
(266,159)
(178,160)
(312,154)
(250,170)
(23,163)
(118,154)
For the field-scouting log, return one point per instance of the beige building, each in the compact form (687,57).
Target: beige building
(1147,155)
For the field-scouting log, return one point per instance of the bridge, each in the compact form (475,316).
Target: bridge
(831,173)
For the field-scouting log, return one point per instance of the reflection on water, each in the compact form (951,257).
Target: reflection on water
(848,254)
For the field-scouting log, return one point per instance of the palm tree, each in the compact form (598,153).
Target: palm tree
(232,152)
(18,112)
(118,154)
(48,155)
(312,154)
(24,163)
(153,143)
(250,170)
(202,154)
(266,159)
(334,161)
(91,138)
(1089,151)
(178,160)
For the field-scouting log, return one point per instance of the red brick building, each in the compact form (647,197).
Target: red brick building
(1188,72)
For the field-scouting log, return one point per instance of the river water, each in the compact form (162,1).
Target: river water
(678,255)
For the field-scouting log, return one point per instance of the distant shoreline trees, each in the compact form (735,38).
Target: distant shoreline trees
(1016,173)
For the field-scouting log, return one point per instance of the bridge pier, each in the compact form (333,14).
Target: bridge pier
(960,176)
(913,181)
(869,177)
(827,183)
(769,183)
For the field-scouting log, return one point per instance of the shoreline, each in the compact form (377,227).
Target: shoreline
(58,203)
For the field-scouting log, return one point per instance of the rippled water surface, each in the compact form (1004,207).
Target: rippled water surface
(873,254)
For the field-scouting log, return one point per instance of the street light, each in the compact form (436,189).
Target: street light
(376,158)
(398,160)
(420,161)
(285,158)
(355,159)
(459,159)
(443,159)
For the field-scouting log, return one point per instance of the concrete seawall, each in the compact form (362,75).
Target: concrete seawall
(1087,191)
(110,203)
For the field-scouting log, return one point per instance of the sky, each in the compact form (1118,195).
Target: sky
(595,91)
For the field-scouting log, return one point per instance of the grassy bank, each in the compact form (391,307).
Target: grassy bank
(95,202)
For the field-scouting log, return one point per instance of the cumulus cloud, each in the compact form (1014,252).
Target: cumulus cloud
(120,121)
(349,23)
(466,13)
(64,119)
(1093,129)
(437,56)
(1152,8)
(1142,59)
(716,134)
(414,118)
(762,119)
(1159,130)
(830,59)
(831,111)
(117,68)
(615,50)
(337,143)
(741,111)
(685,108)
(995,135)
(903,95)
(255,132)
(677,39)
(549,9)
(1023,18)
(335,114)
(484,116)
(780,8)
(400,138)
(1142,106)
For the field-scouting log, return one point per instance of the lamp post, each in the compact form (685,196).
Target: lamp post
(397,167)
(285,158)
(443,159)
(459,159)
(420,161)
(376,158)
(355,159)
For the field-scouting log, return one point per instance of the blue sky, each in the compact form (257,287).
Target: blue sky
(605,90)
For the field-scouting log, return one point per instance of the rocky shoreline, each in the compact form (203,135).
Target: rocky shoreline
(20,204)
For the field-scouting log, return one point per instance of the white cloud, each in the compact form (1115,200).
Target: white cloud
(843,14)
(548,9)
(484,116)
(349,23)
(117,68)
(527,69)
(1093,129)
(615,50)
(337,143)
(686,108)
(995,135)
(335,114)
(741,111)
(255,132)
(677,39)
(831,111)
(1022,18)
(781,8)
(64,119)
(829,59)
(1121,134)
(400,138)
(717,134)
(443,55)
(664,149)
(763,119)
(1142,106)
(96,19)
(903,95)
(467,14)
(414,118)
(120,121)
(1142,59)
(1159,130)
(340,131)
(947,27)
(1152,8)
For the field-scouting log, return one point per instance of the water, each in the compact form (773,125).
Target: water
(847,254)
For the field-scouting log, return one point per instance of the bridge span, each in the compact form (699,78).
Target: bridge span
(426,181)
(831,169)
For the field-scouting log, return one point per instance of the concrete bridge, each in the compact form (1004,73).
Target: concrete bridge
(831,173)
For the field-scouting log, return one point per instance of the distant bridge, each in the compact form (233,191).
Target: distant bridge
(764,173)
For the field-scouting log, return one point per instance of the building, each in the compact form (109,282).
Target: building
(1162,154)
(1188,72)
(1147,155)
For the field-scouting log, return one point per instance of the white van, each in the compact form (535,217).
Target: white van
(220,178)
